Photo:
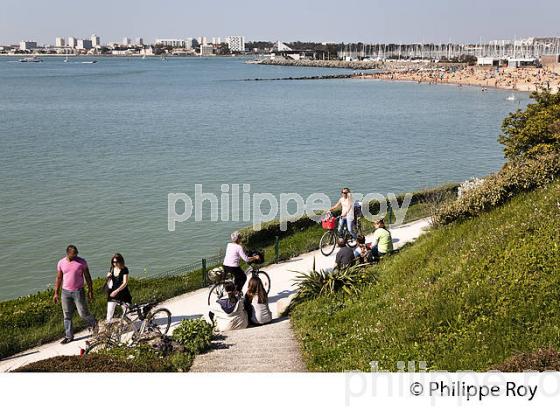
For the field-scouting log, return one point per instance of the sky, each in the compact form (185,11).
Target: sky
(398,21)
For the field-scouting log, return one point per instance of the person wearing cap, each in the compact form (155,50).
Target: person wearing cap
(234,253)
(347,214)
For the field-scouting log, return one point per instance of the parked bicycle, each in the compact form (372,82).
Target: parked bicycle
(328,241)
(219,277)
(137,323)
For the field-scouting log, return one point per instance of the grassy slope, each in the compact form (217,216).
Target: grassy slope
(464,297)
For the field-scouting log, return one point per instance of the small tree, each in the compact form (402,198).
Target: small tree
(534,131)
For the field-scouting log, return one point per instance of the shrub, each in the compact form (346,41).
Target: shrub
(495,190)
(195,335)
(534,131)
(94,362)
(181,362)
(540,361)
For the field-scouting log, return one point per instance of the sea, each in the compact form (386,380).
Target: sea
(89,153)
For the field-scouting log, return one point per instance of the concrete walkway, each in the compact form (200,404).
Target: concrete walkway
(269,348)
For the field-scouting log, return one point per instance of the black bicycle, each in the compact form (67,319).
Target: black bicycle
(137,323)
(327,243)
(220,277)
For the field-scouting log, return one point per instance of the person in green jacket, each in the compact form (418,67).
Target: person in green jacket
(382,241)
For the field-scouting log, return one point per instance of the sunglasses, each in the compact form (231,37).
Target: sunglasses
(115,262)
(344,192)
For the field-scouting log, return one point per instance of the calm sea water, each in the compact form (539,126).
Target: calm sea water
(89,152)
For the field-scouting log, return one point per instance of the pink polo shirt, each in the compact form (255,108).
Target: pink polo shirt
(72,273)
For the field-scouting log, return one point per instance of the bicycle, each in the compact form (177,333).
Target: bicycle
(136,324)
(328,241)
(218,289)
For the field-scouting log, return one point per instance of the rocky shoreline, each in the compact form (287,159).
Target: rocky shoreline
(352,65)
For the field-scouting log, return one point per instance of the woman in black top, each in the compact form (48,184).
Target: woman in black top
(117,285)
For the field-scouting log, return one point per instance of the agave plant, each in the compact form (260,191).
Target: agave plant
(348,281)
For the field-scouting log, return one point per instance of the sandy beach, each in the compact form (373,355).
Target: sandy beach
(516,79)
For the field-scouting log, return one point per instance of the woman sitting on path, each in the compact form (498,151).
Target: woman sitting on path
(228,312)
(117,285)
(256,302)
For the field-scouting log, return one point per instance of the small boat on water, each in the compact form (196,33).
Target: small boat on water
(89,62)
(511,97)
(30,60)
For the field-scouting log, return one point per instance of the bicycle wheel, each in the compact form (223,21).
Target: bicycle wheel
(327,243)
(265,279)
(216,292)
(158,321)
(98,346)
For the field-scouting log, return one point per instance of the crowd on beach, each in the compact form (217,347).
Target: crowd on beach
(235,309)
(510,78)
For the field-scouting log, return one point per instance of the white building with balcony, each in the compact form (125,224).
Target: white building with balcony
(236,43)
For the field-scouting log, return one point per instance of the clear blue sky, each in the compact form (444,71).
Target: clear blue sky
(286,20)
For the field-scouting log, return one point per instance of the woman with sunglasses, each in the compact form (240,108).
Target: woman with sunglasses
(117,285)
(347,214)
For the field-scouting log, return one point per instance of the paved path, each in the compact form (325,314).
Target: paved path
(273,341)
(269,348)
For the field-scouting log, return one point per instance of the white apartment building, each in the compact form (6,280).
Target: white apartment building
(27,45)
(72,42)
(95,40)
(84,45)
(170,42)
(59,42)
(190,43)
(236,43)
(206,50)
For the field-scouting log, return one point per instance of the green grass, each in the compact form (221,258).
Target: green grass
(464,297)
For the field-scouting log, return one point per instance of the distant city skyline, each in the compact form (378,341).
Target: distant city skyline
(290,20)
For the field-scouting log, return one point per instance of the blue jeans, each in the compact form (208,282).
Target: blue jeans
(350,225)
(72,300)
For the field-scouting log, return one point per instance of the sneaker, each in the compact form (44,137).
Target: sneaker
(66,340)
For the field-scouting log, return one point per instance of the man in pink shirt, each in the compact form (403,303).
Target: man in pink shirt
(71,272)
